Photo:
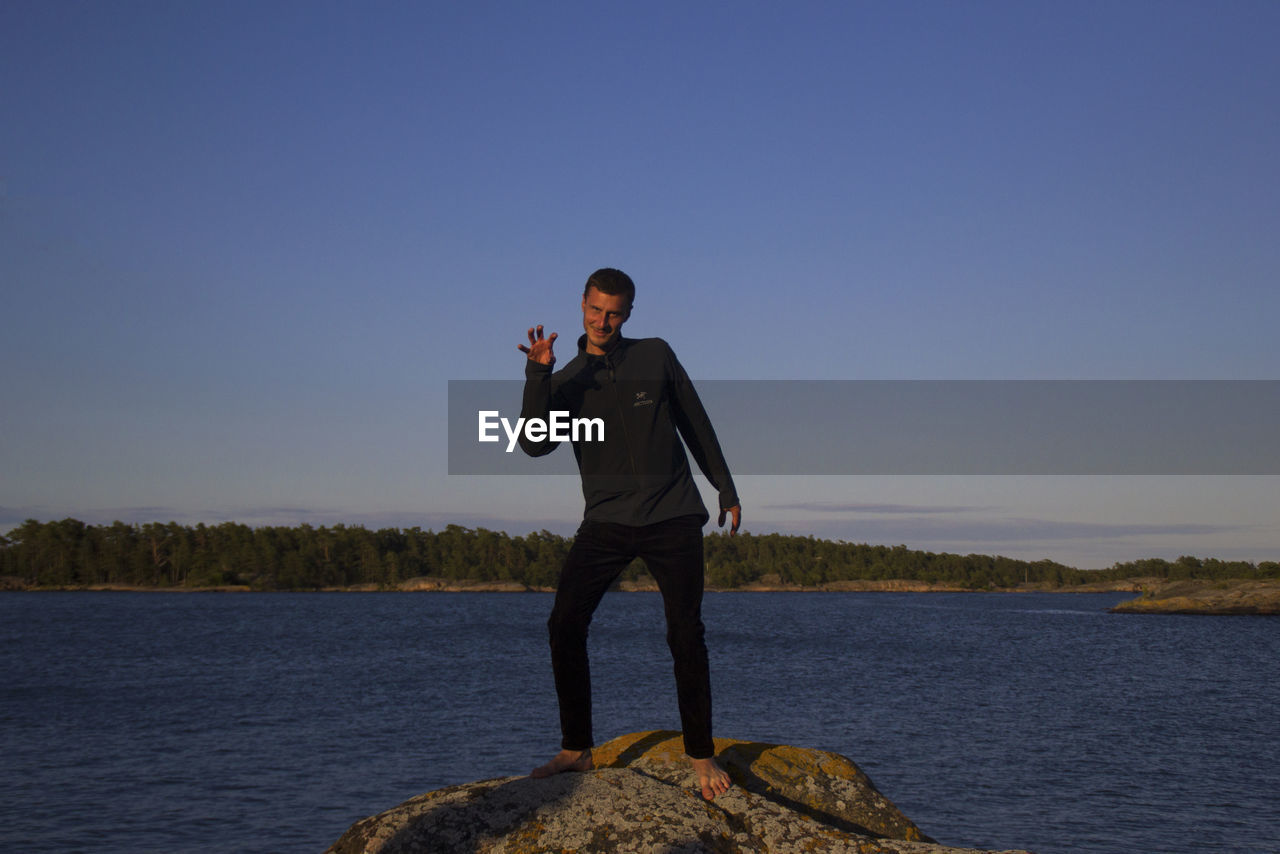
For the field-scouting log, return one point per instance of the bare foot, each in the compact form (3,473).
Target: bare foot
(713,779)
(565,760)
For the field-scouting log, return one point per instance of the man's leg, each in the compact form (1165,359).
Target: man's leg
(598,555)
(672,551)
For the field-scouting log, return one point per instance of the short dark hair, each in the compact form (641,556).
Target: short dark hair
(612,282)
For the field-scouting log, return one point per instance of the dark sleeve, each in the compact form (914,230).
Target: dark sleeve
(536,404)
(696,430)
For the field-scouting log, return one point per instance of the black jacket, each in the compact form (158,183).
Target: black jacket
(639,474)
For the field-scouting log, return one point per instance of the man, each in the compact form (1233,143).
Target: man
(641,501)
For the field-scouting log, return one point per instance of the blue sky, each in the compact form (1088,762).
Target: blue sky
(245,246)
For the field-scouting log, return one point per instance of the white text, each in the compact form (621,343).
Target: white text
(559,428)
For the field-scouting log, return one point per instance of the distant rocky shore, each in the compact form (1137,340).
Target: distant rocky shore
(642,797)
(1213,597)
(774,584)
(1217,598)
(645,584)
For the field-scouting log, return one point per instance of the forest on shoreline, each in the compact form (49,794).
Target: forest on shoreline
(70,554)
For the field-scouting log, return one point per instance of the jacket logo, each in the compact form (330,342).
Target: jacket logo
(642,399)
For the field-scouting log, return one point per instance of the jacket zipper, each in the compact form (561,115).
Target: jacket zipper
(622,413)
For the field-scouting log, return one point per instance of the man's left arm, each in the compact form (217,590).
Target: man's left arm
(695,428)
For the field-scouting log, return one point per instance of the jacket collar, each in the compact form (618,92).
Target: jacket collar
(613,358)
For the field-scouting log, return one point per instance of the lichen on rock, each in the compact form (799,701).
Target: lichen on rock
(1251,597)
(642,797)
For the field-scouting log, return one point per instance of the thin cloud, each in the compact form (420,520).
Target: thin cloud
(12,517)
(990,530)
(858,507)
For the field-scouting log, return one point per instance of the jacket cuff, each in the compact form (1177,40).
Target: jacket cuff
(533,369)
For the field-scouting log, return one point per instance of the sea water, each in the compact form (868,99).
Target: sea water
(271,722)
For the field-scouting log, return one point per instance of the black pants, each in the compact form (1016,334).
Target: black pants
(672,551)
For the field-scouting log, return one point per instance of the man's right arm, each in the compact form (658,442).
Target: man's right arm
(536,404)
(537,389)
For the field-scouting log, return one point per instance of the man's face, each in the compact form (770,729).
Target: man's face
(602,318)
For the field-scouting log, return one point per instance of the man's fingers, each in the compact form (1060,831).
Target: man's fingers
(539,347)
(736,512)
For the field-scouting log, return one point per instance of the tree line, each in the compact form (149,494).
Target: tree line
(70,553)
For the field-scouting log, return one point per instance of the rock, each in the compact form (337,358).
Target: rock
(642,797)
(428,583)
(1218,598)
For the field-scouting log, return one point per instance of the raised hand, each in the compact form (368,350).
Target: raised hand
(539,349)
